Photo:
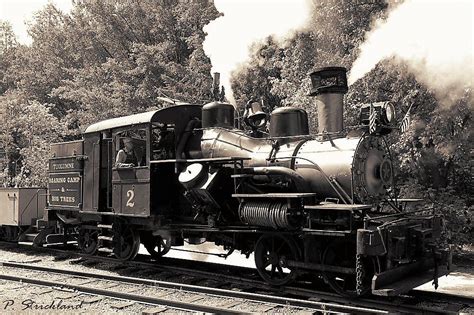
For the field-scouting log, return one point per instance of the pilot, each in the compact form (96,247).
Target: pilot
(126,157)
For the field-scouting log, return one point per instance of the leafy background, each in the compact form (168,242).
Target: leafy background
(106,59)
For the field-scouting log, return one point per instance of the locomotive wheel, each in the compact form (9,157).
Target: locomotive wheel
(271,254)
(126,242)
(157,246)
(343,254)
(88,241)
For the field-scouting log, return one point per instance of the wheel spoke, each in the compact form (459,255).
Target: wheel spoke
(126,242)
(279,248)
(88,241)
(156,246)
(267,263)
(280,270)
(344,283)
(269,251)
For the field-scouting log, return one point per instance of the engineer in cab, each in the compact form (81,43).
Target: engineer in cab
(127,156)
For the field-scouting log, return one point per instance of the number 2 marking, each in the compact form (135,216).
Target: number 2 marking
(130,195)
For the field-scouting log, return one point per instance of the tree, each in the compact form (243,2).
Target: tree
(8,44)
(254,81)
(28,131)
(103,59)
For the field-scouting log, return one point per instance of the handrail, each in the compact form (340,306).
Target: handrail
(203,160)
(329,180)
(309,137)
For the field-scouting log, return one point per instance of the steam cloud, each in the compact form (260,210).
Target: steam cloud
(433,37)
(244,22)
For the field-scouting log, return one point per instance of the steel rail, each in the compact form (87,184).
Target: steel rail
(442,296)
(107,292)
(122,295)
(314,305)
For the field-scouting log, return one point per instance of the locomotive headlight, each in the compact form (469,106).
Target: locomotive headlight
(384,114)
(389,110)
(384,111)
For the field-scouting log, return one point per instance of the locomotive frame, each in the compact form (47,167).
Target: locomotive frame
(302,204)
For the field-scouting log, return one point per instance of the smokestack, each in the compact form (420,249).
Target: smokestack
(216,81)
(329,84)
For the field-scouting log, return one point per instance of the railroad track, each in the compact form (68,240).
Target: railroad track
(47,277)
(196,294)
(224,276)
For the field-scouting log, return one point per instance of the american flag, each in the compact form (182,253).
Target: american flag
(372,119)
(405,123)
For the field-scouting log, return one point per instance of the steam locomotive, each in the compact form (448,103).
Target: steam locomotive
(303,204)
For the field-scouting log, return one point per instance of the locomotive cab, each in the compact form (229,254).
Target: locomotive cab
(155,139)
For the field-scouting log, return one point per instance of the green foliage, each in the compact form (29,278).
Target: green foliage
(449,202)
(103,59)
(28,130)
(8,44)
(255,80)
(433,158)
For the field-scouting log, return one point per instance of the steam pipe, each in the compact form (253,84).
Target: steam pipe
(193,123)
(301,184)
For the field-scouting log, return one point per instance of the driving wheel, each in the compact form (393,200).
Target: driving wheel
(157,246)
(87,240)
(272,252)
(126,242)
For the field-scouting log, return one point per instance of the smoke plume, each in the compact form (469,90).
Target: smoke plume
(244,22)
(433,37)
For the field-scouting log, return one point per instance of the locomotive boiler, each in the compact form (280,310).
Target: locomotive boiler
(321,204)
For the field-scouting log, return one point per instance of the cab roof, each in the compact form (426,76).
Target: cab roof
(166,115)
(136,119)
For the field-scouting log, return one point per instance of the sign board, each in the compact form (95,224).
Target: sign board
(65,190)
(68,164)
(65,183)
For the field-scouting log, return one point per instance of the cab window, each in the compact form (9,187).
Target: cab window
(130,148)
(163,142)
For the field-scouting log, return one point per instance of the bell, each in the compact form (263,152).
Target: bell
(254,115)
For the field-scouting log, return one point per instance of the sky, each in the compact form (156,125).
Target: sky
(18,12)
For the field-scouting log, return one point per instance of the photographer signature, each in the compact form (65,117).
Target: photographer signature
(29,304)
